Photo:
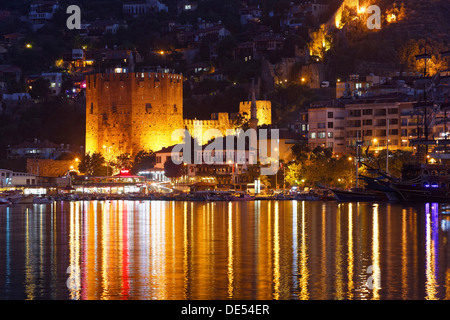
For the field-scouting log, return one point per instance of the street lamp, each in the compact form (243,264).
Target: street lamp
(375,141)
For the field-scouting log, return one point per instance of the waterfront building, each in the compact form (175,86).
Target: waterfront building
(122,183)
(32,184)
(326,126)
(378,122)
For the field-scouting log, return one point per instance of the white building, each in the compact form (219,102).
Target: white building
(137,8)
(55,81)
(10,179)
(41,12)
(20,96)
(5,176)
(250,14)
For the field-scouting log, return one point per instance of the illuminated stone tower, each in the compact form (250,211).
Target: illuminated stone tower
(129,112)
(253,110)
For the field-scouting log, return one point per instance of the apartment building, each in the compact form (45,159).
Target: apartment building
(378,123)
(326,121)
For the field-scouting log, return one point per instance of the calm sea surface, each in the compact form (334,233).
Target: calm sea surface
(224,250)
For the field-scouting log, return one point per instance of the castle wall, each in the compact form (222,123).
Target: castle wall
(126,113)
(157,111)
(263,111)
(130,112)
(198,128)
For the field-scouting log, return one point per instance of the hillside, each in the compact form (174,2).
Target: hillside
(407,26)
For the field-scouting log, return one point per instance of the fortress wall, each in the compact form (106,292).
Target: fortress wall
(132,112)
(263,111)
(126,113)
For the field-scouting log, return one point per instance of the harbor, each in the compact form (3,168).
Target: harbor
(224,250)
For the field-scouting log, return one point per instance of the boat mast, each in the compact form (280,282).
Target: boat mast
(357,158)
(425,57)
(387,144)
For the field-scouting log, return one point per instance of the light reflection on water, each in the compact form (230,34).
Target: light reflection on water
(224,250)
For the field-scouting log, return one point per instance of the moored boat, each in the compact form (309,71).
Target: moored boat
(306,196)
(356,195)
(420,182)
(241,196)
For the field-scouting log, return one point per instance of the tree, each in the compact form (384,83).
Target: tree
(122,161)
(294,173)
(40,89)
(397,158)
(172,170)
(251,174)
(92,164)
(300,151)
(143,160)
(289,98)
(406,55)
(265,181)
